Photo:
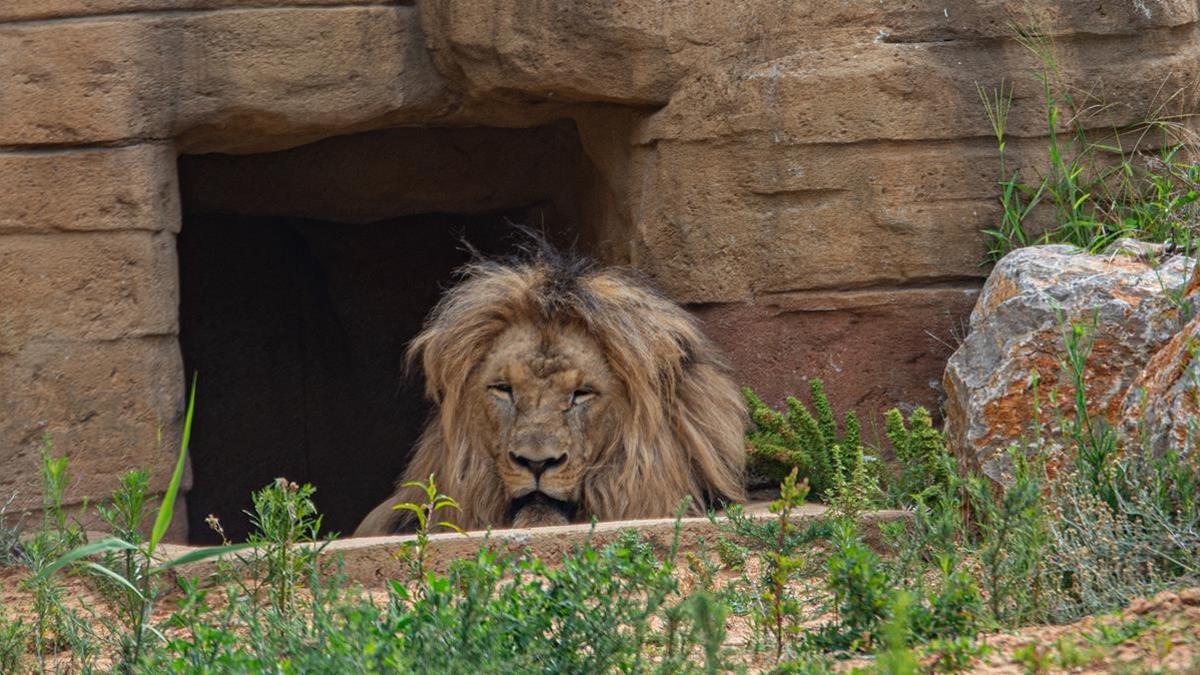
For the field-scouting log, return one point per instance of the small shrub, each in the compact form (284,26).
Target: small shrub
(1069,655)
(10,534)
(1012,541)
(954,654)
(780,565)
(759,533)
(1036,659)
(284,521)
(924,465)
(124,567)
(955,610)
(804,440)
(935,530)
(897,658)
(52,621)
(856,491)
(861,592)
(1119,523)
(732,554)
(14,634)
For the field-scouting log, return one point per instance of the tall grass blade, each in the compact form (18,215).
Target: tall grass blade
(167,509)
(102,546)
(201,554)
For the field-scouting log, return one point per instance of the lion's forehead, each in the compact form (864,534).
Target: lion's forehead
(553,352)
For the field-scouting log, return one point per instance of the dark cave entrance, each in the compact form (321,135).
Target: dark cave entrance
(305,273)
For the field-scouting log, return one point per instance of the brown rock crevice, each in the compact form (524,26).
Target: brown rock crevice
(30,11)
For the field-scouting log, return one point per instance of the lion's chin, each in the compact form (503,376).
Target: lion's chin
(538,509)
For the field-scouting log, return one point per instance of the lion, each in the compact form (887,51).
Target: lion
(564,391)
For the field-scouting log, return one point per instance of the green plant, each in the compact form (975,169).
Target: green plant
(126,511)
(1035,658)
(954,654)
(898,658)
(758,533)
(807,663)
(1129,182)
(56,478)
(698,619)
(124,517)
(1068,654)
(52,622)
(1107,634)
(285,522)
(955,610)
(1012,540)
(808,441)
(781,565)
(1017,200)
(13,636)
(425,514)
(925,465)
(732,554)
(854,491)
(138,578)
(1094,442)
(860,590)
(1119,522)
(935,530)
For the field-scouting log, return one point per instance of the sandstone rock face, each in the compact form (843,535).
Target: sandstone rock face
(1016,330)
(810,177)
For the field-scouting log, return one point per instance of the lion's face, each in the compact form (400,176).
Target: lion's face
(550,403)
(567,392)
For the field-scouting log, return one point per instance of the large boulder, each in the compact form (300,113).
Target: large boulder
(1162,407)
(1128,298)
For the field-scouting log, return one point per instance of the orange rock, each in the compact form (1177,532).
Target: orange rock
(1017,339)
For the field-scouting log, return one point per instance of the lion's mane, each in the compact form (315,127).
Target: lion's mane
(683,435)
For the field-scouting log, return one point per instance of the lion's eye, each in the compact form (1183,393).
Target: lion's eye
(501,390)
(582,396)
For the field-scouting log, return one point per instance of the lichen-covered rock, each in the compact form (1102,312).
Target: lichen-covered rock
(1017,330)
(1162,407)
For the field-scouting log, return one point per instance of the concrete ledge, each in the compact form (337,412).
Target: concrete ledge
(372,560)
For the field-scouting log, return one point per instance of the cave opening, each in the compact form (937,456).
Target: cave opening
(304,273)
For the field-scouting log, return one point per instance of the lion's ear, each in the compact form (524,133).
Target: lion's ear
(422,352)
(460,329)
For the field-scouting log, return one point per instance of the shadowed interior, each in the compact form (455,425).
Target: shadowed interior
(297,325)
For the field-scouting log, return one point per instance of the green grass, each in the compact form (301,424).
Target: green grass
(1097,183)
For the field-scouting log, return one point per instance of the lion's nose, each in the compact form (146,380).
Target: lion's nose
(537,466)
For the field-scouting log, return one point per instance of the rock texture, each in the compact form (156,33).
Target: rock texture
(1016,332)
(810,177)
(1162,408)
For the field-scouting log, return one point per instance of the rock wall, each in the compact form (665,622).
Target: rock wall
(811,177)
